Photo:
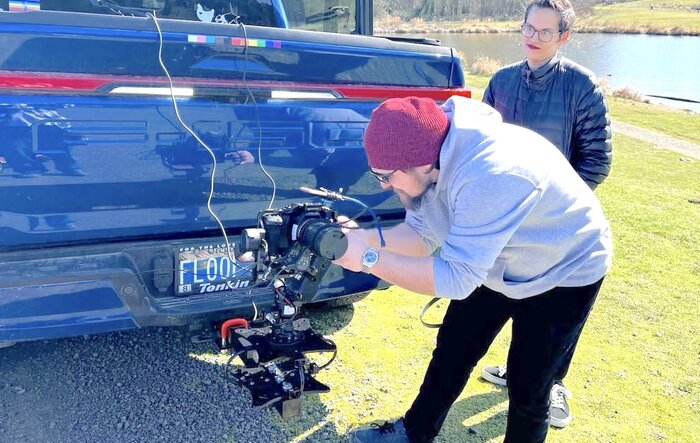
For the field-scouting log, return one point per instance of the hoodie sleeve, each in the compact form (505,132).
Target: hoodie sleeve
(488,210)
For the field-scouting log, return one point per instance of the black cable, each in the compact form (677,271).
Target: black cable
(228,363)
(301,378)
(335,353)
(425,309)
(331,195)
(355,217)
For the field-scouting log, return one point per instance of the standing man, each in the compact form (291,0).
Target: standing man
(521,237)
(561,101)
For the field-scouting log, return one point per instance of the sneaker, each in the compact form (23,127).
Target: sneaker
(559,411)
(387,433)
(495,374)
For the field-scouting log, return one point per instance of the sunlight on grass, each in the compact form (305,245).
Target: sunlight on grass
(684,125)
(209,357)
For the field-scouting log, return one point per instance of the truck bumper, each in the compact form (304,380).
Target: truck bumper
(98,289)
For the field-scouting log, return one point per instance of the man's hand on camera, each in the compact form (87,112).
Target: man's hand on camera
(246,257)
(357,244)
(348,225)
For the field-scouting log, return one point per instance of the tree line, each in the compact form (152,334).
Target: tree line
(467,9)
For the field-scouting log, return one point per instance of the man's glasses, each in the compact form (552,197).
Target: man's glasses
(545,35)
(384,178)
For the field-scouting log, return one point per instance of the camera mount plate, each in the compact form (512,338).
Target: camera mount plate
(275,367)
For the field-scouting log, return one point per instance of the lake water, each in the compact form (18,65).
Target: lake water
(653,65)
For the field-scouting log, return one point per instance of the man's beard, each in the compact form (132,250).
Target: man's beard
(408,202)
(413,203)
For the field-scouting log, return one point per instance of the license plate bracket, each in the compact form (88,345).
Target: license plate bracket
(209,268)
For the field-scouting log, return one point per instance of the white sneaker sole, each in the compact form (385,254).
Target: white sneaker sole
(559,422)
(493,379)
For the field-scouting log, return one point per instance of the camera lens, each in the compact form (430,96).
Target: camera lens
(324,238)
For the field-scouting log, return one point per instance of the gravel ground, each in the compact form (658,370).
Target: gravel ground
(142,386)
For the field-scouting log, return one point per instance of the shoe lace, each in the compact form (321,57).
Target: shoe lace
(385,428)
(502,370)
(558,396)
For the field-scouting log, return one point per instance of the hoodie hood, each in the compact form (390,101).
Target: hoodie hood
(471,124)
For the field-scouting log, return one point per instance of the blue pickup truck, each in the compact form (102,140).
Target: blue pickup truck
(106,199)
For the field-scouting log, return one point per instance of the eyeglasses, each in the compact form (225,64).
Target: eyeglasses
(384,178)
(544,35)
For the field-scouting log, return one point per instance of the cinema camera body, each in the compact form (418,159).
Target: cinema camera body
(297,242)
(293,249)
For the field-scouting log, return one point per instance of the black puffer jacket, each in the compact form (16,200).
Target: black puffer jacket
(562,102)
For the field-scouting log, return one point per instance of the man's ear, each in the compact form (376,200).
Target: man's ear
(564,37)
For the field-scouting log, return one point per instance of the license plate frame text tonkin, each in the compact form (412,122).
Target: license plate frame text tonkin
(205,269)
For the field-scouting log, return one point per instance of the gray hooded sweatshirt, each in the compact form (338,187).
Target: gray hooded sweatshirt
(508,211)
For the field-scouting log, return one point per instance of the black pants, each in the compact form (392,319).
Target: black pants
(545,331)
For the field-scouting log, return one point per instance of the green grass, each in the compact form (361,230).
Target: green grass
(673,17)
(634,377)
(651,16)
(684,125)
(477,81)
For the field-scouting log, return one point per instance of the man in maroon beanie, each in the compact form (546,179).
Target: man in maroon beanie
(498,222)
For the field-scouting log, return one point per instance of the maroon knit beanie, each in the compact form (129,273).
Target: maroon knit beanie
(405,132)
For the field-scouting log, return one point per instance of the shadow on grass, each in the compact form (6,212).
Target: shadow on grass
(485,430)
(312,426)
(453,429)
(327,321)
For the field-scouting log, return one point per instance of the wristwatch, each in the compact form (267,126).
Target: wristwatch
(369,258)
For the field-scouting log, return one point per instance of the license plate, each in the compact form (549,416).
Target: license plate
(208,268)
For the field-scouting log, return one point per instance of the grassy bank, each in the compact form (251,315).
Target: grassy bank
(666,17)
(684,125)
(635,374)
(676,17)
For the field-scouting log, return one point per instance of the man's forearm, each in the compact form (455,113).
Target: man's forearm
(412,273)
(402,240)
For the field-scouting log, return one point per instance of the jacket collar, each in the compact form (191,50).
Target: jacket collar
(538,79)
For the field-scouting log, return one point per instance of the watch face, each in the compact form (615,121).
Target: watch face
(370,257)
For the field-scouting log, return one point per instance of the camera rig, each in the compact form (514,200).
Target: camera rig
(293,249)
